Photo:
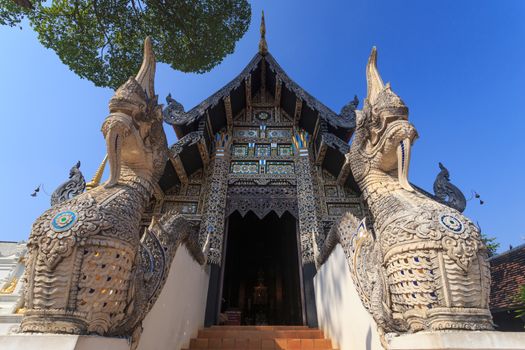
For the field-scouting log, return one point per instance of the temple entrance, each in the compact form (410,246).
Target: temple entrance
(261,283)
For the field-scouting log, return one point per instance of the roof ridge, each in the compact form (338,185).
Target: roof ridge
(521,246)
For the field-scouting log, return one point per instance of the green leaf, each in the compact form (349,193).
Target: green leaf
(101,40)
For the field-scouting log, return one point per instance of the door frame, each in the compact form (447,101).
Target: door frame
(216,283)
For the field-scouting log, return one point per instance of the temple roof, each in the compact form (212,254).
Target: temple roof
(263,77)
(250,80)
(508,275)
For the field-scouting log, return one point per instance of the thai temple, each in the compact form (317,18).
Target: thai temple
(272,223)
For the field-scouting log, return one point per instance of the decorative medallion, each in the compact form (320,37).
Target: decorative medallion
(263,116)
(240,150)
(249,133)
(244,167)
(262,150)
(63,221)
(451,223)
(279,133)
(280,168)
(285,150)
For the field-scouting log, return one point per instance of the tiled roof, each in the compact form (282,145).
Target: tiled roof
(508,275)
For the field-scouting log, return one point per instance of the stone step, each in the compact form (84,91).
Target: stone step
(260,344)
(270,328)
(261,334)
(260,338)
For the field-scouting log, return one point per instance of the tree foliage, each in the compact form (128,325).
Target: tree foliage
(491,244)
(101,40)
(521,300)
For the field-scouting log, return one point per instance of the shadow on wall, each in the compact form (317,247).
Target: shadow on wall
(179,311)
(341,315)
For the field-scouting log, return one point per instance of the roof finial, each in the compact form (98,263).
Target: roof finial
(263,46)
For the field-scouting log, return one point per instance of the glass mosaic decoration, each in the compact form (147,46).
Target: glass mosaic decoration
(244,168)
(239,150)
(280,168)
(262,150)
(285,150)
(263,116)
(63,221)
(279,133)
(246,132)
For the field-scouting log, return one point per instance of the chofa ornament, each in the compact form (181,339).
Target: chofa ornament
(71,188)
(419,264)
(90,269)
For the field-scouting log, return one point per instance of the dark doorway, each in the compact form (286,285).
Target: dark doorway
(261,278)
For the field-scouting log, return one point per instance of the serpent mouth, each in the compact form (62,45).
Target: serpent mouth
(116,128)
(401,134)
(403,161)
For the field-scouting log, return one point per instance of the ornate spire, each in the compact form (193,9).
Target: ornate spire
(146,75)
(373,79)
(263,46)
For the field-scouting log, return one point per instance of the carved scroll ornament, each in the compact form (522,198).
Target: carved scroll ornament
(71,188)
(447,192)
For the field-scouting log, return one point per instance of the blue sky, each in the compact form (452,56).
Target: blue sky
(458,65)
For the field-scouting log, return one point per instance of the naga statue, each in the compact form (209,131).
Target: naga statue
(420,265)
(90,269)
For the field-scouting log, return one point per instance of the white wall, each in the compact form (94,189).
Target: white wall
(179,311)
(340,313)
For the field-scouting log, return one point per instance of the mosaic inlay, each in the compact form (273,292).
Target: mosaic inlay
(246,132)
(285,150)
(240,150)
(63,221)
(279,133)
(263,116)
(180,207)
(451,223)
(330,191)
(244,167)
(262,150)
(280,168)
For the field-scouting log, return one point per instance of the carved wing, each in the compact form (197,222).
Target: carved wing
(366,267)
(359,246)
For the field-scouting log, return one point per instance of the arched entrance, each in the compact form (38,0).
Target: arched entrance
(261,281)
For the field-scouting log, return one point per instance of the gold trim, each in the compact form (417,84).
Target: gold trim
(98,175)
(10,287)
(263,46)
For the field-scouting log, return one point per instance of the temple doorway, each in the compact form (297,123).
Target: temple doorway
(261,281)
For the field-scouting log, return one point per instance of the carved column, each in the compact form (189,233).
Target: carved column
(212,227)
(306,201)
(308,222)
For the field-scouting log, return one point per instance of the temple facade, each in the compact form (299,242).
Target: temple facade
(260,165)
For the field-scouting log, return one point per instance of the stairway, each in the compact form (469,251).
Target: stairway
(260,337)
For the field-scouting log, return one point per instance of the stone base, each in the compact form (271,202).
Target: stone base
(457,340)
(61,342)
